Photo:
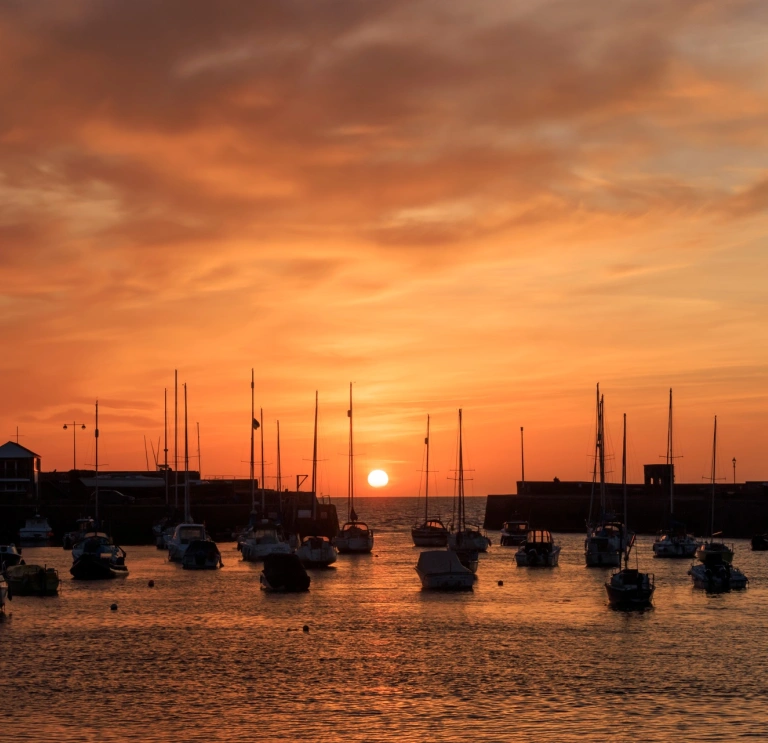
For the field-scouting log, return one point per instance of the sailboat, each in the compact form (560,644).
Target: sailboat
(95,557)
(431,532)
(187,531)
(607,538)
(355,535)
(316,551)
(465,541)
(263,536)
(715,573)
(629,588)
(674,542)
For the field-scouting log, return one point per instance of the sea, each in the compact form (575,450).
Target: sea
(531,654)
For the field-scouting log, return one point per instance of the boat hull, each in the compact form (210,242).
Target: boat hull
(629,598)
(716,551)
(321,557)
(468,540)
(257,552)
(675,548)
(32,580)
(718,578)
(358,544)
(429,537)
(284,574)
(537,559)
(87,567)
(446,581)
(759,543)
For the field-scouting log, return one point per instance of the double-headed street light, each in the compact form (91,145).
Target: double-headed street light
(74,440)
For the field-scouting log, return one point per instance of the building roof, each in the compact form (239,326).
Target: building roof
(12,450)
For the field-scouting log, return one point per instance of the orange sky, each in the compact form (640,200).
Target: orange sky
(490,205)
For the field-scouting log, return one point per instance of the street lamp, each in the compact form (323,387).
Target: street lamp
(734,470)
(74,440)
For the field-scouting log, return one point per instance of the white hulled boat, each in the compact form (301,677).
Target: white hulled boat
(466,542)
(442,570)
(431,532)
(715,571)
(36,531)
(354,536)
(607,539)
(514,533)
(538,550)
(264,539)
(674,542)
(183,536)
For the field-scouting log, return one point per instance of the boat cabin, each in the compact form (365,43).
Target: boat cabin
(186,533)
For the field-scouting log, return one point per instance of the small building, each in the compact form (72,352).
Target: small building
(19,471)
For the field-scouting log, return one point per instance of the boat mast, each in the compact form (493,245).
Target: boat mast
(263,506)
(165,426)
(594,468)
(96,436)
(253,428)
(426,489)
(176,438)
(624,486)
(351,473)
(279,478)
(187,516)
(314,466)
(714,472)
(670,459)
(601,441)
(462,520)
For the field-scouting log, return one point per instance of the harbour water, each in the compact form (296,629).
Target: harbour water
(207,656)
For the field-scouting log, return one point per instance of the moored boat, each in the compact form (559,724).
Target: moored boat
(514,533)
(202,555)
(85,525)
(100,566)
(32,580)
(10,555)
(759,543)
(442,570)
(262,540)
(284,573)
(538,550)
(183,536)
(36,531)
(316,552)
(431,532)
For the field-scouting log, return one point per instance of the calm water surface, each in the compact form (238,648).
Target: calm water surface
(208,656)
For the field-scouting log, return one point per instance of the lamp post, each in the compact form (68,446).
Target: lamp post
(74,440)
(734,470)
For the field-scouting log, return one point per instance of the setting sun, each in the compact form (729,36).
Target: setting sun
(378,478)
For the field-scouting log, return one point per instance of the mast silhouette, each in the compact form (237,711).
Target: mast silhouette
(351,515)
(176,438)
(96,436)
(426,488)
(314,467)
(253,428)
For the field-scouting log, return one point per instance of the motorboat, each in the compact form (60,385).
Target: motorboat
(85,525)
(716,575)
(201,555)
(441,570)
(675,543)
(183,535)
(712,548)
(538,550)
(32,580)
(316,552)
(36,531)
(264,539)
(514,533)
(284,573)
(93,542)
(10,555)
(470,537)
(354,536)
(759,543)
(94,563)
(431,532)
(630,589)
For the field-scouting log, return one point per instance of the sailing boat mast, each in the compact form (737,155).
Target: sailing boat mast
(601,452)
(253,428)
(351,515)
(314,467)
(187,516)
(714,473)
(461,514)
(279,478)
(175,438)
(165,427)
(594,468)
(263,507)
(96,436)
(670,459)
(624,482)
(426,488)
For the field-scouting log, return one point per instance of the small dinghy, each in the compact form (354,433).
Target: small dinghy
(96,564)
(202,555)
(32,580)
(10,555)
(284,573)
(317,552)
(442,571)
(630,589)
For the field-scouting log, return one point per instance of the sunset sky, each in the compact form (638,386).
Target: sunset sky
(485,205)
